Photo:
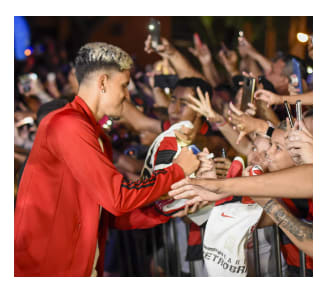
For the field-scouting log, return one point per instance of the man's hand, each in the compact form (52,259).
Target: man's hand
(203,106)
(229,61)
(299,143)
(36,88)
(245,48)
(165,49)
(222,166)
(189,189)
(269,97)
(244,123)
(187,135)
(202,52)
(187,161)
(207,166)
(190,209)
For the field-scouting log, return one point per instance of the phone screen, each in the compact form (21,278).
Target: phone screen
(289,113)
(154,28)
(297,73)
(249,84)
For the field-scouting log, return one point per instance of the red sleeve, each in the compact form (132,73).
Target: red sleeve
(142,218)
(71,138)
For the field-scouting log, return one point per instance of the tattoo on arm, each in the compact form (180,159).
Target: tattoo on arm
(300,230)
(269,206)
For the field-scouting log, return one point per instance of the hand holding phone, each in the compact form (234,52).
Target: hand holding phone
(249,85)
(288,111)
(297,73)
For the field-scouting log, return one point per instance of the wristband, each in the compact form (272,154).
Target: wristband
(221,124)
(270,129)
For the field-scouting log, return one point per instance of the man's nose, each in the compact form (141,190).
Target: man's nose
(269,152)
(176,107)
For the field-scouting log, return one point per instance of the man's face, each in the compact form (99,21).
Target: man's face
(257,153)
(116,93)
(277,155)
(277,78)
(178,109)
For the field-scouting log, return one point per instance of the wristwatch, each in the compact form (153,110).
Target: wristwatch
(270,129)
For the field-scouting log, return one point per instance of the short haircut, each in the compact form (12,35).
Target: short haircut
(288,69)
(194,83)
(97,56)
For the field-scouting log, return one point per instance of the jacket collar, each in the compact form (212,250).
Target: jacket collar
(81,105)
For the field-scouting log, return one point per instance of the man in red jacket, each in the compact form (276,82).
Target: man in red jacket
(60,226)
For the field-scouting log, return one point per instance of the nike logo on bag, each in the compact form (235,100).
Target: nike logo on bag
(227,216)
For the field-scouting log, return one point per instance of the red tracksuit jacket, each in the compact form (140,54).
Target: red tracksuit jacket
(66,180)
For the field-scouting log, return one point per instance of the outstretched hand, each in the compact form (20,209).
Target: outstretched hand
(267,96)
(203,106)
(193,190)
(242,122)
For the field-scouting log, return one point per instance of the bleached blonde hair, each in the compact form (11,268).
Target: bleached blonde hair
(97,55)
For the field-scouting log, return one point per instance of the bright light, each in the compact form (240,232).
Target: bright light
(27,52)
(151,27)
(309,70)
(302,37)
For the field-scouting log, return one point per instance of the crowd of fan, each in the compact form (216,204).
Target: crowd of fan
(172,90)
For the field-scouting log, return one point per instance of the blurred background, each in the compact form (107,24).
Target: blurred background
(268,34)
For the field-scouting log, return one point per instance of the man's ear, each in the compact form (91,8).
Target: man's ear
(103,81)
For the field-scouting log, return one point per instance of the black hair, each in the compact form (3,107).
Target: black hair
(83,70)
(194,83)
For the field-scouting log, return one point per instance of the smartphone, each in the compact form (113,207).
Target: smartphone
(240,35)
(154,28)
(194,148)
(297,73)
(249,85)
(165,81)
(298,107)
(288,111)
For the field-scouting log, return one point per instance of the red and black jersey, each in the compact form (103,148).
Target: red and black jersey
(205,129)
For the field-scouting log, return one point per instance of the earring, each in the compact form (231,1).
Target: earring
(103,91)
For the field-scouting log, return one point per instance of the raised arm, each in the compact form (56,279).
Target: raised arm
(180,63)
(203,106)
(202,52)
(247,49)
(138,120)
(271,98)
